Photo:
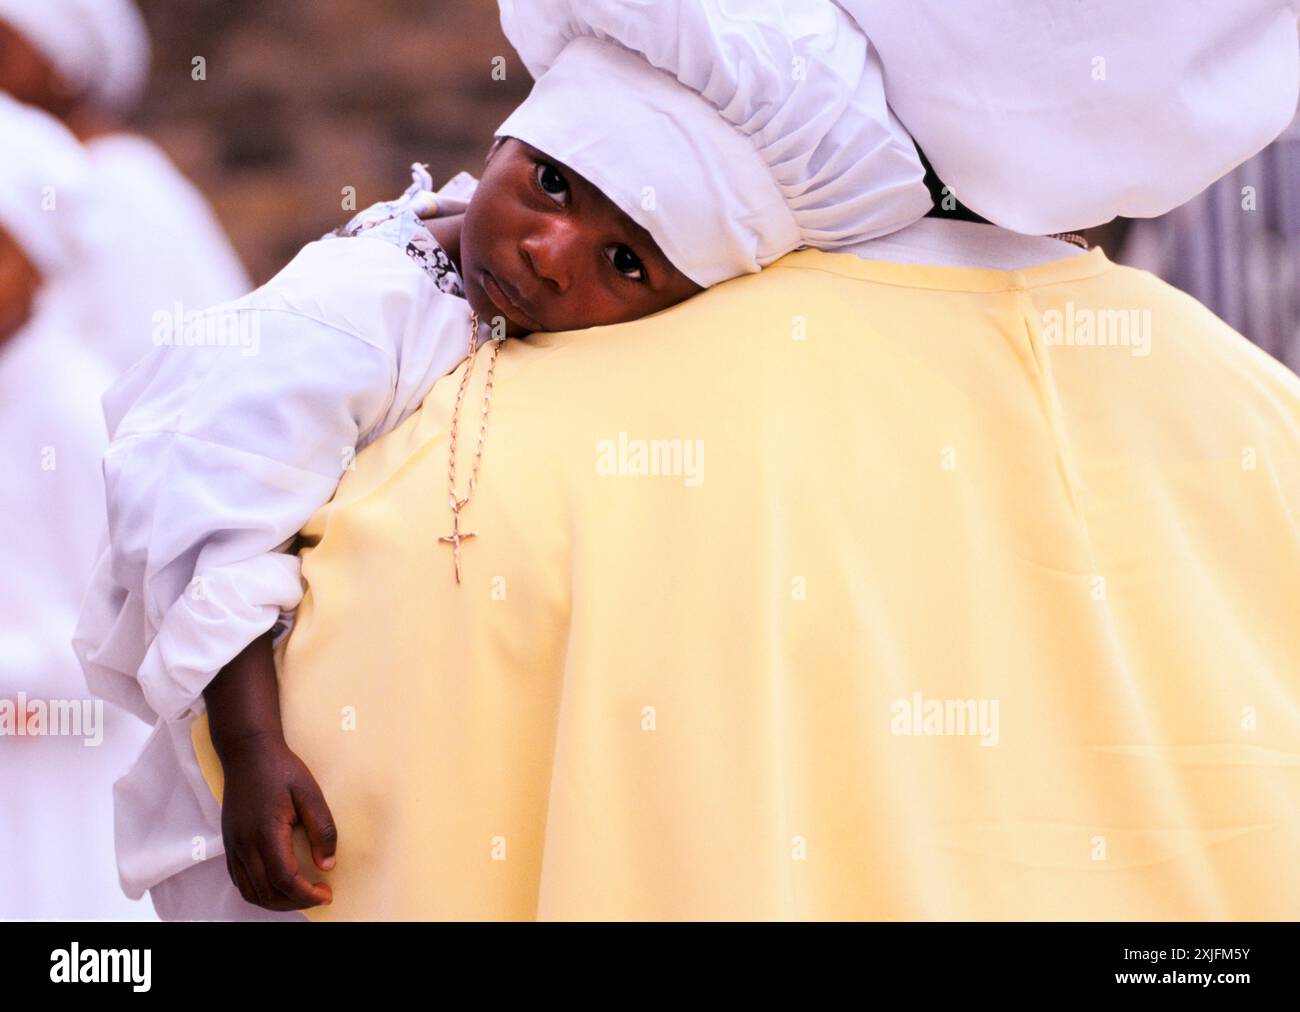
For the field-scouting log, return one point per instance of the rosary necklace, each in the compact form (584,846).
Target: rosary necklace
(458,503)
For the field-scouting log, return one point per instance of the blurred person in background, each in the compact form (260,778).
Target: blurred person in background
(160,250)
(56,826)
(126,238)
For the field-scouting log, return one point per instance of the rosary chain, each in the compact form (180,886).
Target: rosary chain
(457,504)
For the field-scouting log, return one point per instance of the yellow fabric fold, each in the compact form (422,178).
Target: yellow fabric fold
(846,590)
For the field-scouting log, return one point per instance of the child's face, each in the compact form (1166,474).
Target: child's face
(545,249)
(19,282)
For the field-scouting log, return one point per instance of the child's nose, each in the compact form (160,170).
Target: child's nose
(553,251)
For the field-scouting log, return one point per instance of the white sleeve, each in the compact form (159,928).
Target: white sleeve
(221,455)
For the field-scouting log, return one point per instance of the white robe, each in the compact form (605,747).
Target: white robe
(148,241)
(220,453)
(56,842)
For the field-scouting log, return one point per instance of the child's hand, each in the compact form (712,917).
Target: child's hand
(269,790)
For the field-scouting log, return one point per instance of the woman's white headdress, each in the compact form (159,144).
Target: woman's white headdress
(1052,115)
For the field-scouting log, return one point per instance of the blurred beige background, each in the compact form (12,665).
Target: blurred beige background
(305,97)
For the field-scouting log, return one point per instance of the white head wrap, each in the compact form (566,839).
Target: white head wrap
(733,131)
(43,178)
(99,47)
(1051,115)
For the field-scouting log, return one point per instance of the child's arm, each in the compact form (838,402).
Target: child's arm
(225,442)
(220,453)
(268,789)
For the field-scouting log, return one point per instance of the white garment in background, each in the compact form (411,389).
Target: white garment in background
(220,454)
(155,244)
(56,840)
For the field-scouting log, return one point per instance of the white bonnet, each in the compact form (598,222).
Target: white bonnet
(734,131)
(100,47)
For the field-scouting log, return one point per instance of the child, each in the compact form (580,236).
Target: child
(588,214)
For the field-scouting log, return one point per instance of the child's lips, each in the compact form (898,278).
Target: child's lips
(506,304)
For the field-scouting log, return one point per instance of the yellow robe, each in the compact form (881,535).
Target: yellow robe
(934,610)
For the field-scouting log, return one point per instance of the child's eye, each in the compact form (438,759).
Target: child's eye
(550,180)
(626,262)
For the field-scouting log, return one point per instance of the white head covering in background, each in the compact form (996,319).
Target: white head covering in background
(734,131)
(44,174)
(99,47)
(1052,115)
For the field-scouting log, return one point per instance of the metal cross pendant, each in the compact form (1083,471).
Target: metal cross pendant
(455,538)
